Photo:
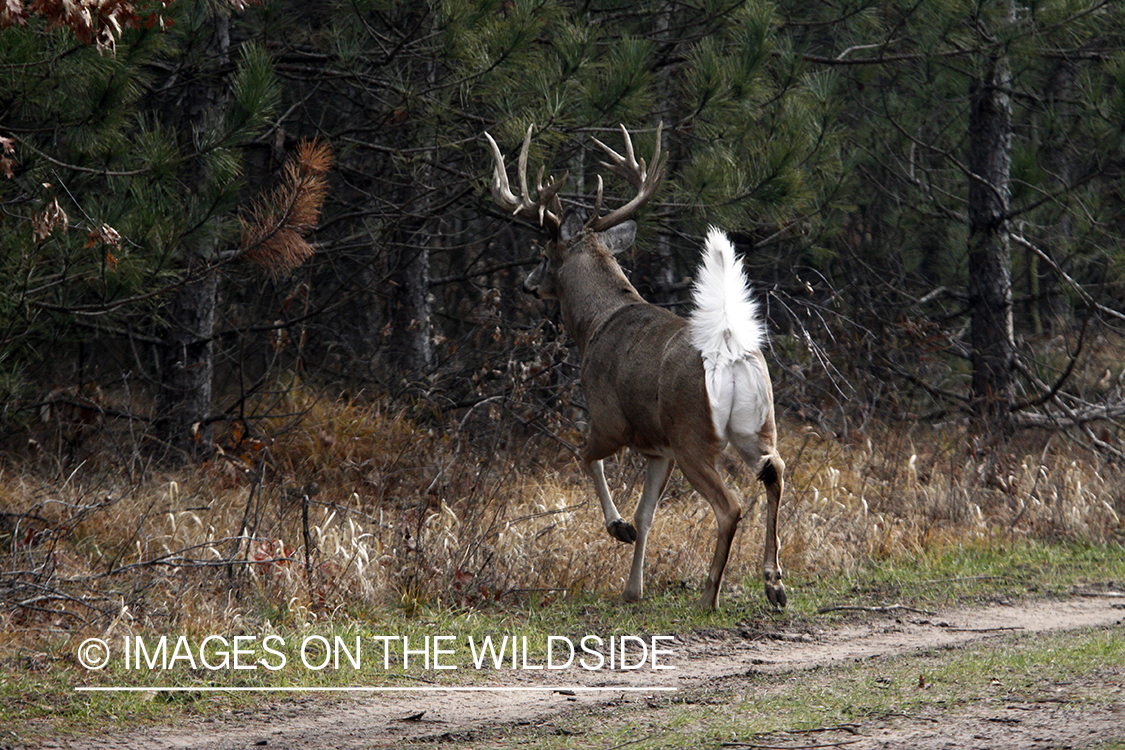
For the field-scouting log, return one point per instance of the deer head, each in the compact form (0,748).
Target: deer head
(569,234)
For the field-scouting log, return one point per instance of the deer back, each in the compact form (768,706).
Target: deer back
(641,374)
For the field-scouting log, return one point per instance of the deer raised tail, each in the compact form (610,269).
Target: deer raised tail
(727,331)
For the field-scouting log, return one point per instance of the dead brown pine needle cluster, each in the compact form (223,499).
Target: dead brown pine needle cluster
(274,230)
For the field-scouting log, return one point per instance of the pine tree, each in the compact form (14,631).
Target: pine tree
(405,92)
(212,114)
(69,262)
(992,338)
(140,144)
(957,156)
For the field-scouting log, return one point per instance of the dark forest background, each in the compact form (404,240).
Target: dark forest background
(206,205)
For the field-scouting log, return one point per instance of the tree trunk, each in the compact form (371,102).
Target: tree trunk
(187,367)
(411,344)
(990,275)
(1052,305)
(410,347)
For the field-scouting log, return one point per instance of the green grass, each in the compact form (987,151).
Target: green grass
(38,676)
(969,574)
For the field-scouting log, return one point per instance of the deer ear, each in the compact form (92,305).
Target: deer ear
(572,225)
(620,237)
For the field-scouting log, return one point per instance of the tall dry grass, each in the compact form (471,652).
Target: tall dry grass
(355,505)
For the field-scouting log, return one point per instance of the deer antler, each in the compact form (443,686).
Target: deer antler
(636,172)
(546,208)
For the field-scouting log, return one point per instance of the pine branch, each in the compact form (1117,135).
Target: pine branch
(274,229)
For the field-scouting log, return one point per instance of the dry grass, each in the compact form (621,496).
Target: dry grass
(403,510)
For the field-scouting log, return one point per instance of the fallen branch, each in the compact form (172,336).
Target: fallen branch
(1061,381)
(1093,594)
(852,728)
(878,610)
(964,579)
(756,746)
(1074,285)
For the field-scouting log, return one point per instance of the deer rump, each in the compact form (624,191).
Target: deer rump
(684,389)
(722,335)
(728,333)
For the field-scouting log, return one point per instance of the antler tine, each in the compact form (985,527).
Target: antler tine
(523,205)
(501,189)
(636,172)
(597,202)
(522,168)
(549,196)
(628,166)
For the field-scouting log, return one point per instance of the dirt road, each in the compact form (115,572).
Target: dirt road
(717,659)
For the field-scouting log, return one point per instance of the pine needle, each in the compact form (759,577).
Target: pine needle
(275,227)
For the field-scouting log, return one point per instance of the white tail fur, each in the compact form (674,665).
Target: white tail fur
(726,330)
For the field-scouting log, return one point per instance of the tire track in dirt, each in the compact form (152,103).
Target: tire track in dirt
(385,720)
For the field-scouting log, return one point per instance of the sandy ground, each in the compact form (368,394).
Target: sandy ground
(719,659)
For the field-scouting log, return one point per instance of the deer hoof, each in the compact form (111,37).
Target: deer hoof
(709,599)
(776,596)
(622,531)
(775,591)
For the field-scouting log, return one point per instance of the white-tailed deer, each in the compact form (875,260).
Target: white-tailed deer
(675,390)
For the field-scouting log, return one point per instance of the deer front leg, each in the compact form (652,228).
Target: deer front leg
(772,475)
(618,527)
(656,479)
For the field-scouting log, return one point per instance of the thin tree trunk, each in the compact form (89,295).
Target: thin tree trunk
(411,343)
(656,266)
(990,275)
(411,348)
(187,370)
(1051,304)
(187,366)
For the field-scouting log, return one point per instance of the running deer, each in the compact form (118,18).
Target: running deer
(677,391)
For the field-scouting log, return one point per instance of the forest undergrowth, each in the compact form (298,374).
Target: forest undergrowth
(347,506)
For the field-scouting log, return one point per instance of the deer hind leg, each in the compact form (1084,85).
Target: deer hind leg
(772,476)
(656,479)
(704,477)
(758,451)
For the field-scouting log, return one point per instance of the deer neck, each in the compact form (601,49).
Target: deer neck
(591,290)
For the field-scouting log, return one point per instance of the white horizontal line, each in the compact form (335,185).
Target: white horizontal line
(369,689)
